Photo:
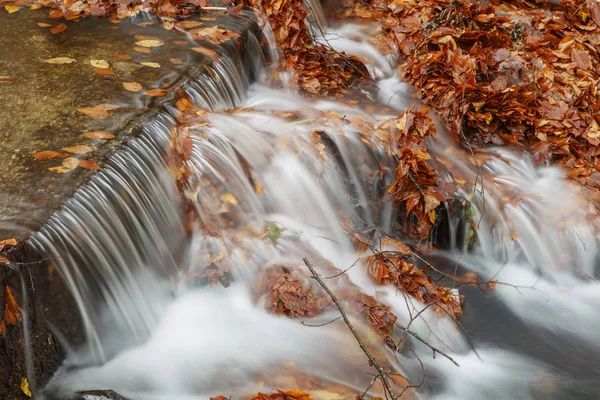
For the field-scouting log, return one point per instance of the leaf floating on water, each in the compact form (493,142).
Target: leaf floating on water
(150,43)
(132,86)
(89,164)
(68,164)
(99,135)
(176,61)
(58,29)
(214,34)
(25,387)
(11,9)
(188,24)
(155,92)
(99,64)
(151,64)
(61,60)
(12,314)
(207,52)
(5,78)
(47,155)
(99,112)
(79,149)
(273,232)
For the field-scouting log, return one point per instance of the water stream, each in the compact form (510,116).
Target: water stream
(156,330)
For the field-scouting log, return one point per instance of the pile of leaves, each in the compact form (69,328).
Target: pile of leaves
(504,72)
(317,70)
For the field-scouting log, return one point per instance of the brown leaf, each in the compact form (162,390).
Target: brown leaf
(5,78)
(188,24)
(150,43)
(89,164)
(99,135)
(132,86)
(8,242)
(155,92)
(581,58)
(122,56)
(144,50)
(78,149)
(2,323)
(58,28)
(99,112)
(68,164)
(207,52)
(12,314)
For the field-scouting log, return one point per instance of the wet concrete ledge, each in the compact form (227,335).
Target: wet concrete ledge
(39,102)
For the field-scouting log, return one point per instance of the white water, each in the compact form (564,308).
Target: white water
(158,335)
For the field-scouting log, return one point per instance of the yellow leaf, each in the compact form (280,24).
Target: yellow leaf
(132,86)
(61,60)
(99,64)
(228,198)
(11,9)
(151,64)
(25,387)
(150,43)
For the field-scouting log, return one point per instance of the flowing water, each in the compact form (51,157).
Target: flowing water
(156,330)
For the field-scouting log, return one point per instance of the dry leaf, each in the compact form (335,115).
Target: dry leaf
(151,64)
(132,86)
(61,60)
(25,387)
(99,112)
(176,61)
(58,28)
(43,25)
(78,149)
(2,323)
(180,42)
(150,43)
(89,164)
(188,24)
(8,242)
(5,78)
(99,135)
(155,92)
(122,56)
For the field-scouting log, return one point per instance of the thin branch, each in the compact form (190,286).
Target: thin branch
(368,387)
(379,369)
(317,325)
(433,348)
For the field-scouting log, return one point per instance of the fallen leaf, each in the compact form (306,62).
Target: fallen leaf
(132,86)
(155,92)
(25,387)
(151,64)
(188,24)
(142,50)
(68,164)
(38,38)
(2,323)
(5,78)
(12,314)
(207,52)
(3,260)
(47,155)
(150,43)
(176,61)
(61,60)
(58,28)
(99,112)
(89,164)
(35,7)
(78,149)
(104,71)
(11,9)
(122,56)
(229,198)
(8,242)
(99,135)
(44,25)
(274,232)
(99,64)
(180,42)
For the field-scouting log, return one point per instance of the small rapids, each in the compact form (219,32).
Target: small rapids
(282,178)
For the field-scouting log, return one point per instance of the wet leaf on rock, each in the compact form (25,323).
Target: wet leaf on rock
(98,112)
(150,64)
(104,71)
(122,56)
(155,92)
(25,387)
(47,155)
(78,149)
(58,29)
(61,60)
(5,78)
(150,43)
(99,64)
(132,86)
(12,314)
(144,50)
(99,135)
(11,9)
(89,164)
(68,164)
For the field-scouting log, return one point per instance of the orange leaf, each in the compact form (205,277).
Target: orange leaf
(78,149)
(104,71)
(122,56)
(155,92)
(4,78)
(2,327)
(12,314)
(58,28)
(144,50)
(99,135)
(46,155)
(89,164)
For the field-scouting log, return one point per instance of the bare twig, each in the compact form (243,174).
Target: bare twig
(368,387)
(378,367)
(433,348)
(317,325)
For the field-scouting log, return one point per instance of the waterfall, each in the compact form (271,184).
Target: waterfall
(172,305)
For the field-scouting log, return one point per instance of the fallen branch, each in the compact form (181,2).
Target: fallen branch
(378,367)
